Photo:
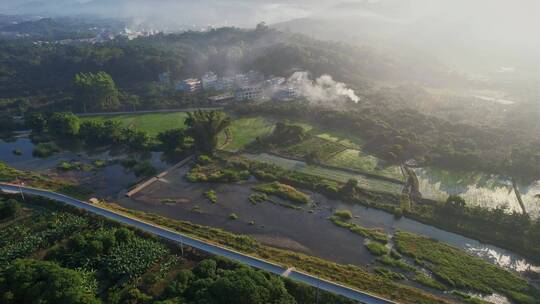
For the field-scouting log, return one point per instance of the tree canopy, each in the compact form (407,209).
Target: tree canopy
(96,92)
(32,281)
(204,127)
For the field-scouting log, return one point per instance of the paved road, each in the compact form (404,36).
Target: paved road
(148,111)
(204,246)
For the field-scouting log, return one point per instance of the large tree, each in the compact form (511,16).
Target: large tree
(204,127)
(96,92)
(64,124)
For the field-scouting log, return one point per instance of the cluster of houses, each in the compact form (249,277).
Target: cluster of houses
(240,87)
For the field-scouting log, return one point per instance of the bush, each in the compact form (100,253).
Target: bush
(256,198)
(211,195)
(343,214)
(283,191)
(144,169)
(45,150)
(376,248)
(389,274)
(204,159)
(233,216)
(8,209)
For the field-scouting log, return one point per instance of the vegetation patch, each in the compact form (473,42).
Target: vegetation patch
(468,298)
(74,165)
(393,262)
(389,274)
(44,150)
(343,214)
(376,248)
(360,230)
(9,174)
(283,191)
(17,152)
(461,270)
(256,198)
(216,171)
(428,281)
(144,168)
(211,196)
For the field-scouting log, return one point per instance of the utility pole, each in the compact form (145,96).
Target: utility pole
(20,184)
(182,246)
(318,288)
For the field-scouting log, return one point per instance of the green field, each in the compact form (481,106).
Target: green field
(153,123)
(358,160)
(243,131)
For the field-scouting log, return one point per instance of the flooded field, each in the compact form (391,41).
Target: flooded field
(107,181)
(301,230)
(478,189)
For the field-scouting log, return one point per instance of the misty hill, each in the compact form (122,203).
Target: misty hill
(52,29)
(477,37)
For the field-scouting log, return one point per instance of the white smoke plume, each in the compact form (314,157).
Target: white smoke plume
(323,90)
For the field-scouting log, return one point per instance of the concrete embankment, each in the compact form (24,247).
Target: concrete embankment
(154,179)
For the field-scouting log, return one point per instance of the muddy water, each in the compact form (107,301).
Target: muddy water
(299,229)
(276,225)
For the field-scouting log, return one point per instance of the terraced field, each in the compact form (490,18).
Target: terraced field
(358,160)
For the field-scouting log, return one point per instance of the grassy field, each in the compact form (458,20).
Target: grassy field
(358,160)
(243,131)
(152,123)
(325,149)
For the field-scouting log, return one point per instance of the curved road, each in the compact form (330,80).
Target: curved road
(204,246)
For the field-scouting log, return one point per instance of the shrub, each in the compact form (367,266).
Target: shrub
(204,159)
(283,191)
(144,169)
(211,195)
(233,216)
(389,274)
(45,150)
(10,208)
(256,198)
(343,214)
(376,248)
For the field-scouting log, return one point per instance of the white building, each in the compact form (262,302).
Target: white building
(209,80)
(189,85)
(248,93)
